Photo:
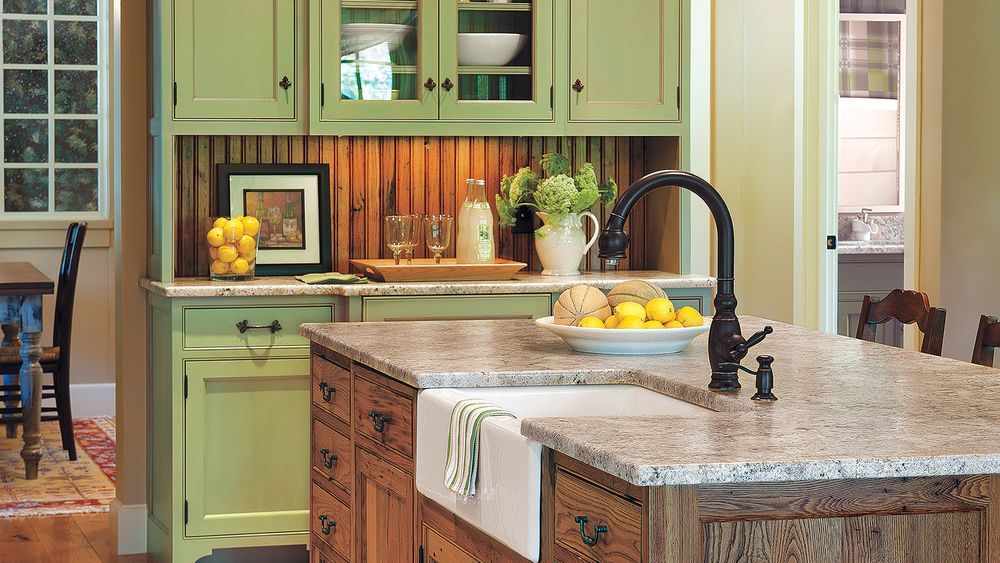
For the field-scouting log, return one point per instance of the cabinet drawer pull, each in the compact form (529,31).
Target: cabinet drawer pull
(285,83)
(326,524)
(379,420)
(328,459)
(598,530)
(430,85)
(447,84)
(327,391)
(578,86)
(245,325)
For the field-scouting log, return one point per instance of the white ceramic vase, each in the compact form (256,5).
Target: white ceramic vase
(561,244)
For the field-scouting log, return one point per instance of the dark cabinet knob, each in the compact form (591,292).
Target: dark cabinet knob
(430,85)
(447,84)
(379,420)
(578,86)
(285,83)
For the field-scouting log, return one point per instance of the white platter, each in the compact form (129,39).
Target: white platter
(625,341)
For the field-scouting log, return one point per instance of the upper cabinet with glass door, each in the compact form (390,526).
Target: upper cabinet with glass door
(377,59)
(496,59)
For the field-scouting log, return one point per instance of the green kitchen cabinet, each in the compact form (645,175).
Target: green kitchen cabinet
(448,307)
(235,59)
(624,60)
(244,445)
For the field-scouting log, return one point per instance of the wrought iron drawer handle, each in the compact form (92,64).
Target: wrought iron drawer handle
(327,391)
(379,420)
(326,524)
(245,325)
(598,530)
(328,458)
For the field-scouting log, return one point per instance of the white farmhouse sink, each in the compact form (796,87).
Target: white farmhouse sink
(507,500)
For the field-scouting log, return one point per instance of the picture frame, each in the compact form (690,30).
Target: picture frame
(295,199)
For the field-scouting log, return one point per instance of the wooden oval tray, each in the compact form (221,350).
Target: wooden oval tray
(424,269)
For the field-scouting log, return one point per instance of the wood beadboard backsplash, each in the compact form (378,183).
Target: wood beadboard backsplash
(371,177)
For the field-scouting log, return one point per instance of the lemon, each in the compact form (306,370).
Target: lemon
(215,237)
(218,268)
(591,322)
(220,222)
(246,244)
(251,226)
(213,252)
(233,230)
(228,253)
(689,316)
(611,322)
(631,321)
(630,309)
(660,309)
(239,266)
(652,324)
(674,324)
(249,255)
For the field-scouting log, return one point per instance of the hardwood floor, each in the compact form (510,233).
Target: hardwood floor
(78,538)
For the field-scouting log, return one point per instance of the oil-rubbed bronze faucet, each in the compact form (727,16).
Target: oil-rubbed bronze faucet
(726,345)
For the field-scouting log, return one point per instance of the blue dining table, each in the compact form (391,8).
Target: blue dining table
(21,289)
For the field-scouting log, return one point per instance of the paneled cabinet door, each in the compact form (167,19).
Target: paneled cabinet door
(235,59)
(496,60)
(246,446)
(377,59)
(624,60)
(383,511)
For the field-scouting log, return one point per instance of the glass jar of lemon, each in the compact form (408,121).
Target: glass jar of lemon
(232,248)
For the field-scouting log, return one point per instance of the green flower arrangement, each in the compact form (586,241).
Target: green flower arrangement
(557,193)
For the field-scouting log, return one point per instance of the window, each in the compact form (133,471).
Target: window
(53,106)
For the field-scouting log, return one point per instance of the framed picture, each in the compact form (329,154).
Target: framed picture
(292,203)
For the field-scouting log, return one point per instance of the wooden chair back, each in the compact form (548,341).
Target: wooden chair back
(69,269)
(907,307)
(987,340)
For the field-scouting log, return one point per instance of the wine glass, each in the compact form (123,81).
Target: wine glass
(397,233)
(438,234)
(413,235)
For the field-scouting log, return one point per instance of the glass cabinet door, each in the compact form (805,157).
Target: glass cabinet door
(378,59)
(496,59)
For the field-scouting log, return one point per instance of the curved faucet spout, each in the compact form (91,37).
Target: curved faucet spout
(726,344)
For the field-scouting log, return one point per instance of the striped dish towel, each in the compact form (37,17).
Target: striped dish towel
(463,443)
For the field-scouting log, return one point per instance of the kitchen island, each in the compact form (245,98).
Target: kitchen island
(870,453)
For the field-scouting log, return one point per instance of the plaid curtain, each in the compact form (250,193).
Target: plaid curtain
(873,6)
(869,59)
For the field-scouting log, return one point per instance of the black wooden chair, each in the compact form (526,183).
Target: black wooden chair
(907,307)
(56,358)
(987,340)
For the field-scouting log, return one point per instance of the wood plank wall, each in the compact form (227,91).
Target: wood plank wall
(372,177)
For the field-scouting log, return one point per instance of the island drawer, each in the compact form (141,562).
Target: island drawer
(465,307)
(331,455)
(331,388)
(575,498)
(319,552)
(331,521)
(250,327)
(383,413)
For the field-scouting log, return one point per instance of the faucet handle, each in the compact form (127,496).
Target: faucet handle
(754,340)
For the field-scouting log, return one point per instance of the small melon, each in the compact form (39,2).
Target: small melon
(578,302)
(638,291)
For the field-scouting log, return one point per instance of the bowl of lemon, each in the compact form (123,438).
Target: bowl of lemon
(636,317)
(232,248)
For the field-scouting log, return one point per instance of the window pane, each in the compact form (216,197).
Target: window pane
(24,6)
(75,43)
(25,42)
(76,140)
(26,140)
(76,91)
(26,189)
(76,189)
(76,7)
(26,91)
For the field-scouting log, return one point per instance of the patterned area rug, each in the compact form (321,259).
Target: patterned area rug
(63,486)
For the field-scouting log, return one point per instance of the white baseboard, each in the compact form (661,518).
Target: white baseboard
(92,399)
(128,521)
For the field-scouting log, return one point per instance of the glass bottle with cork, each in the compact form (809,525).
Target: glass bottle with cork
(476,243)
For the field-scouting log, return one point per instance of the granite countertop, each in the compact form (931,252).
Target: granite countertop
(870,247)
(530,282)
(846,409)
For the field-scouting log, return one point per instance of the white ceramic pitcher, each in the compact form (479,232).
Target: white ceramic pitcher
(561,243)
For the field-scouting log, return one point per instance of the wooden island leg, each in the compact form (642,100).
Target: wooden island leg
(31,383)
(12,341)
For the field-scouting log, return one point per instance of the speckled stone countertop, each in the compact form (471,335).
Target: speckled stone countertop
(869,247)
(846,409)
(531,282)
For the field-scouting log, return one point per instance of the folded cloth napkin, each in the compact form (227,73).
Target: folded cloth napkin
(330,278)
(463,443)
